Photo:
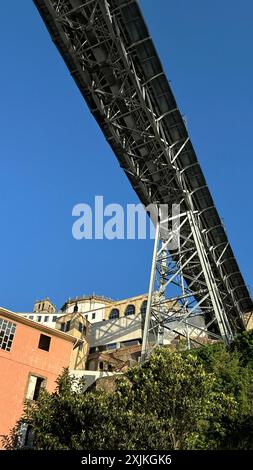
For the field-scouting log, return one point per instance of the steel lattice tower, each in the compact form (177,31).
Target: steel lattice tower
(111,56)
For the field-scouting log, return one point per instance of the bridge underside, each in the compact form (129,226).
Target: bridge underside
(110,55)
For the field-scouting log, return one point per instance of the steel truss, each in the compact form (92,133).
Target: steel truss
(196,312)
(153,151)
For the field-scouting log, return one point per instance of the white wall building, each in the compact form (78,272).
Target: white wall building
(92,307)
(42,317)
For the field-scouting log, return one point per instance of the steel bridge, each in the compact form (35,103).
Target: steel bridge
(110,55)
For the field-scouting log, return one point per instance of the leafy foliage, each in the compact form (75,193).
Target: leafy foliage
(234,376)
(201,399)
(243,344)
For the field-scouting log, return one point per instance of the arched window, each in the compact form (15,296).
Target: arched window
(130,310)
(114,314)
(144,307)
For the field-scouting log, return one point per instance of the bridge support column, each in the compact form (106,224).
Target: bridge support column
(177,312)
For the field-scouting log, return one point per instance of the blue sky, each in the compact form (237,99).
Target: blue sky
(53,155)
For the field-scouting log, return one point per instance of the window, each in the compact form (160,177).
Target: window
(46,319)
(38,387)
(101,365)
(39,318)
(54,318)
(44,342)
(144,307)
(86,316)
(31,317)
(35,384)
(65,326)
(43,305)
(82,328)
(28,437)
(93,316)
(7,332)
(114,314)
(111,346)
(39,307)
(130,310)
(131,342)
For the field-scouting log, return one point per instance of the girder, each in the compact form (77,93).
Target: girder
(109,52)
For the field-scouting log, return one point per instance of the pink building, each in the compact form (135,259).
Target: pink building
(31,356)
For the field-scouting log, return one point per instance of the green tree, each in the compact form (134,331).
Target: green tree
(181,393)
(170,402)
(234,376)
(243,344)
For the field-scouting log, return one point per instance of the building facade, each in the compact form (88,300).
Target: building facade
(115,323)
(31,357)
(44,311)
(93,307)
(78,327)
